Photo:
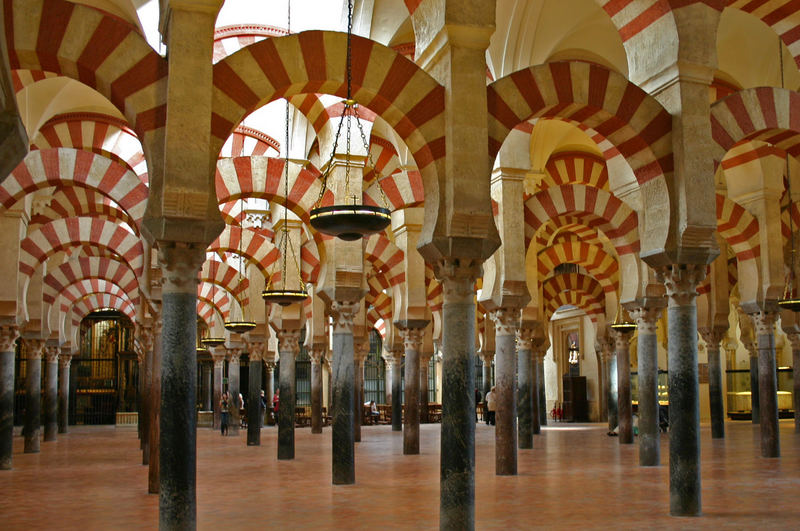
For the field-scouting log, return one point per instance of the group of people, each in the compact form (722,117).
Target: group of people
(489,406)
(225,404)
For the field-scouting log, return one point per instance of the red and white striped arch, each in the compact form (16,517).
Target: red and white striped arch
(593,258)
(780,15)
(574,289)
(70,167)
(218,297)
(230,39)
(246,142)
(596,208)
(310,261)
(566,227)
(254,248)
(21,78)
(99,50)
(73,201)
(738,227)
(67,233)
(402,189)
(576,168)
(764,113)
(634,122)
(384,159)
(92,268)
(224,276)
(433,290)
(83,288)
(98,133)
(97,301)
(385,82)
(386,258)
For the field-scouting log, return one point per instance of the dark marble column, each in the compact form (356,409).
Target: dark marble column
(343,457)
(752,348)
(505,367)
(457,463)
(288,347)
(234,374)
(602,382)
(647,353)
(542,391)
(360,352)
(51,393)
(316,354)
(206,394)
(767,383)
(64,362)
(147,339)
(538,354)
(610,358)
(684,401)
(177,452)
(712,337)
(624,406)
(8,336)
(794,339)
(254,394)
(525,387)
(412,342)
(153,472)
(218,355)
(396,361)
(486,371)
(33,394)
(424,387)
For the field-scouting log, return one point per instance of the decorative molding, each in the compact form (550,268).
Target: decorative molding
(681,281)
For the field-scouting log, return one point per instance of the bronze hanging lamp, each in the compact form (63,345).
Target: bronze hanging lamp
(355,220)
(623,327)
(240,326)
(209,341)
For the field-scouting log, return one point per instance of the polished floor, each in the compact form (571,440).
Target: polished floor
(576,477)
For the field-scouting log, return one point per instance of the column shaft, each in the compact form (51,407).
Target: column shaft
(270,385)
(286,392)
(505,446)
(342,382)
(358,400)
(754,391)
(207,372)
(796,379)
(234,374)
(316,396)
(486,374)
(51,397)
(145,416)
(219,365)
(536,421)
(715,398)
(540,381)
(153,482)
(767,384)
(424,389)
(254,401)
(63,396)
(525,390)
(397,394)
(6,407)
(647,350)
(413,341)
(33,401)
(624,406)
(611,391)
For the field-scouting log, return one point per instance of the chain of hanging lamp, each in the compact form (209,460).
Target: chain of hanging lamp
(209,340)
(243,325)
(355,220)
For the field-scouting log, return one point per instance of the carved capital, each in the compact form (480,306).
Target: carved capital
(458,279)
(288,342)
(65,360)
(681,281)
(234,354)
(764,322)
(487,356)
(34,348)
(51,354)
(646,319)
(712,335)
(506,321)
(316,353)
(606,345)
(622,340)
(8,335)
(343,313)
(255,349)
(146,336)
(412,338)
(393,357)
(270,365)
(218,355)
(180,263)
(525,337)
(360,350)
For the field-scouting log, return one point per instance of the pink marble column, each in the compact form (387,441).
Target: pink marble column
(412,343)
(505,449)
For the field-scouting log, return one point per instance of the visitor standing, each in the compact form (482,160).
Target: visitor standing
(224,404)
(490,406)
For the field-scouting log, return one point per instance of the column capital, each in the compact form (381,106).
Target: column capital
(646,318)
(179,264)
(622,340)
(412,338)
(8,335)
(34,348)
(316,353)
(145,334)
(218,355)
(288,342)
(606,345)
(235,354)
(681,281)
(65,360)
(51,353)
(526,337)
(713,335)
(343,313)
(255,349)
(458,277)
(487,356)
(764,322)
(506,320)
(794,340)
(360,350)
(393,357)
(270,365)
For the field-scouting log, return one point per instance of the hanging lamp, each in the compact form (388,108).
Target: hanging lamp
(352,221)
(790,299)
(285,296)
(621,326)
(210,341)
(240,326)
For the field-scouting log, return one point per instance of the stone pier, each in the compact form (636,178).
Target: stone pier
(33,394)
(647,353)
(288,347)
(51,393)
(8,337)
(343,379)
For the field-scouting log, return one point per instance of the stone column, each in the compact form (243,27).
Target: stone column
(505,445)
(64,362)
(360,352)
(145,414)
(752,349)
(767,383)
(541,384)
(609,357)
(33,394)
(647,351)
(343,458)
(288,347)
(681,282)
(254,394)
(51,393)
(624,406)
(713,336)
(206,394)
(8,336)
(153,475)
(794,339)
(270,387)
(412,343)
(218,355)
(539,352)
(424,386)
(457,463)
(316,353)
(177,453)
(234,374)
(396,360)
(486,371)
(526,387)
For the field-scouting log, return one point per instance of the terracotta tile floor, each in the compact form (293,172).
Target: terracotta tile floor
(576,477)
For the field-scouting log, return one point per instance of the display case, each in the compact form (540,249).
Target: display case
(663,387)
(740,397)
